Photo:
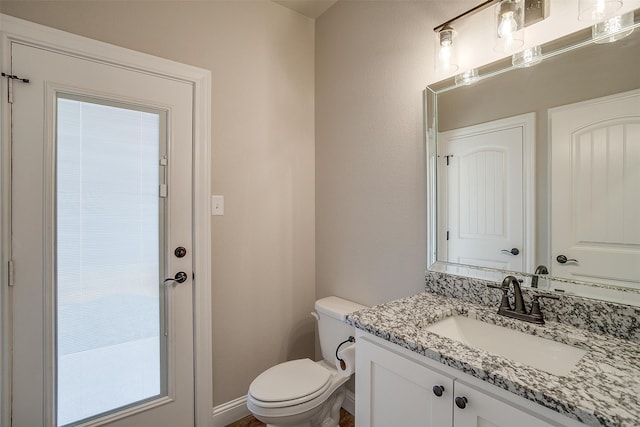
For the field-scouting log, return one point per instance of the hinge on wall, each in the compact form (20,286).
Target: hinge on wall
(11,273)
(10,78)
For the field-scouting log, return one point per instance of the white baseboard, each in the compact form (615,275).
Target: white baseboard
(230,412)
(349,403)
(236,409)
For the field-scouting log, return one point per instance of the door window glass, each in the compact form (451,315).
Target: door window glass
(111,346)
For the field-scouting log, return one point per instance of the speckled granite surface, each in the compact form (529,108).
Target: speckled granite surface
(602,390)
(622,321)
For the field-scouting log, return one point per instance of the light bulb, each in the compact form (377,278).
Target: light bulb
(446,55)
(508,25)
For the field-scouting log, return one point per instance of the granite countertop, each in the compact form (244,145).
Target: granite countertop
(602,390)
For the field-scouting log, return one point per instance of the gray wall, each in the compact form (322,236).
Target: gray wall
(373,61)
(261,58)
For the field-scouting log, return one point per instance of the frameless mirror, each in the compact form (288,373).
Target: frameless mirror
(540,166)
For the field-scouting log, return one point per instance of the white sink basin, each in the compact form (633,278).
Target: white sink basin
(540,353)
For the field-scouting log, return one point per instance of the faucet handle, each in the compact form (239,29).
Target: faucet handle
(504,303)
(535,305)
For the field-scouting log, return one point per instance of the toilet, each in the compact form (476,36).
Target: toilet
(304,393)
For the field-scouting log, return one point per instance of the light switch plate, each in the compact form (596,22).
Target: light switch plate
(217,205)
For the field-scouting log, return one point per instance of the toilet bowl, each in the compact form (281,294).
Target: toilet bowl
(304,393)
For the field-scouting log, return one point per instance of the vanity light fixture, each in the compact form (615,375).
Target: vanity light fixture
(613,29)
(513,16)
(509,25)
(527,57)
(447,50)
(467,78)
(597,10)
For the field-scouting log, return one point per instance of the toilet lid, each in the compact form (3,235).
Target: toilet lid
(289,381)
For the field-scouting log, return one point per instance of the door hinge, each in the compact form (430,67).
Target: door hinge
(13,77)
(10,78)
(11,273)
(447,157)
(163,187)
(447,234)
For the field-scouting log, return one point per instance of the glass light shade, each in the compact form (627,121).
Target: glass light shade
(446,50)
(467,78)
(613,29)
(527,57)
(597,10)
(509,25)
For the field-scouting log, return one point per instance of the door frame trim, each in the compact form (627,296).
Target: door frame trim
(18,30)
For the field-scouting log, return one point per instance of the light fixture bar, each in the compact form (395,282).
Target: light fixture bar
(471,11)
(535,10)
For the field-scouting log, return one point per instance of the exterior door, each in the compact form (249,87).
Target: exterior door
(487,202)
(101,196)
(595,191)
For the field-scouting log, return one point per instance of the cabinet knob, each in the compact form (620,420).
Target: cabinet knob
(461,402)
(438,390)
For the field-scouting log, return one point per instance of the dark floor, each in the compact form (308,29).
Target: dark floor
(346,420)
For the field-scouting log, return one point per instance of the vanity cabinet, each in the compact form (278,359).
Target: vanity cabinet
(396,387)
(393,390)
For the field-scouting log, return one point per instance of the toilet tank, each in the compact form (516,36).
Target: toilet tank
(331,313)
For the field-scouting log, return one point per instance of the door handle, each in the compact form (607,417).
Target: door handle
(562,259)
(180,277)
(513,251)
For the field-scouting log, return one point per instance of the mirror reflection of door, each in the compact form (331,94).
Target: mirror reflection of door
(595,186)
(488,205)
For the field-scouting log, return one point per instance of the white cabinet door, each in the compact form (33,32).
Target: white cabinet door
(395,387)
(483,410)
(392,390)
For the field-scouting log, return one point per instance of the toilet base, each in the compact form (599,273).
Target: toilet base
(330,414)
(326,415)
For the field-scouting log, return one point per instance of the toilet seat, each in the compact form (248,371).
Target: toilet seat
(290,383)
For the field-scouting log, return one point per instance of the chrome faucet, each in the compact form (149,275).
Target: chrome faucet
(518,311)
